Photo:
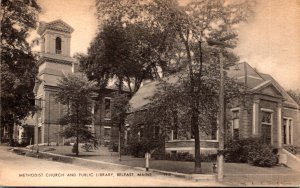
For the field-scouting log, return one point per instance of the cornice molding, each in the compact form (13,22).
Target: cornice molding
(53,60)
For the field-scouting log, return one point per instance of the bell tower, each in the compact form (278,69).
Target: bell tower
(54,63)
(55,37)
(55,60)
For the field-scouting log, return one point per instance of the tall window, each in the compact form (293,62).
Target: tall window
(175,134)
(156,132)
(142,131)
(58,45)
(107,132)
(107,108)
(287,131)
(236,124)
(214,129)
(266,126)
(284,135)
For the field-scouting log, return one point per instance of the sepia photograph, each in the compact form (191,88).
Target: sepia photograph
(150,93)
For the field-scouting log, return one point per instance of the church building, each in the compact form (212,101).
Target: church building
(54,63)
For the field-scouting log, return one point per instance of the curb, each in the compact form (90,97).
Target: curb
(81,161)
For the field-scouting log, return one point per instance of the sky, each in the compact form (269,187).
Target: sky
(269,41)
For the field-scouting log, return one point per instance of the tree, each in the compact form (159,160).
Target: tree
(128,52)
(77,93)
(18,63)
(190,26)
(295,94)
(119,112)
(195,24)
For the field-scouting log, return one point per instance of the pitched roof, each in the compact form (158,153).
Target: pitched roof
(255,81)
(240,70)
(141,98)
(57,25)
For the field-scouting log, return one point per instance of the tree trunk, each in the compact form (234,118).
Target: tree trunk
(77,133)
(194,103)
(10,127)
(120,91)
(1,130)
(10,135)
(119,144)
(194,123)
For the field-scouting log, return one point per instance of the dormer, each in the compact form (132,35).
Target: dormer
(55,37)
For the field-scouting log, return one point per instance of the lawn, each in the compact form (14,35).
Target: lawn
(231,169)
(235,173)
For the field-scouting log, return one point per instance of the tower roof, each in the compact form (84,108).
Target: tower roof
(57,25)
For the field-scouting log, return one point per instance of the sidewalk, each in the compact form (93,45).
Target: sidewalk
(235,173)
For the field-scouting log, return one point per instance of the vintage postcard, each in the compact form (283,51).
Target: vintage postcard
(165,93)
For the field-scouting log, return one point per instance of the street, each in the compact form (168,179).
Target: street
(17,170)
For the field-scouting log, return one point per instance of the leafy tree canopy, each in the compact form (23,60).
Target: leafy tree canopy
(18,63)
(295,94)
(77,93)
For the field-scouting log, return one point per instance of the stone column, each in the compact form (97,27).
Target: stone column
(279,125)
(46,43)
(42,45)
(292,132)
(255,119)
(68,46)
(287,131)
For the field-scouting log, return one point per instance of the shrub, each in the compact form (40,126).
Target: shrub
(115,147)
(292,149)
(67,143)
(263,156)
(74,148)
(251,150)
(184,156)
(180,156)
(237,150)
(139,148)
(48,149)
(208,157)
(168,156)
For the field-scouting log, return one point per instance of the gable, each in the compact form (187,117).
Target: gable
(271,90)
(57,25)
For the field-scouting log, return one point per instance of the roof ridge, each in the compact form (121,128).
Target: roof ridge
(254,69)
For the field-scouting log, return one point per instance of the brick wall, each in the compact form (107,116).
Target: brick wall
(52,133)
(53,111)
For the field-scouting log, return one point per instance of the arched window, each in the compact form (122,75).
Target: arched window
(58,45)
